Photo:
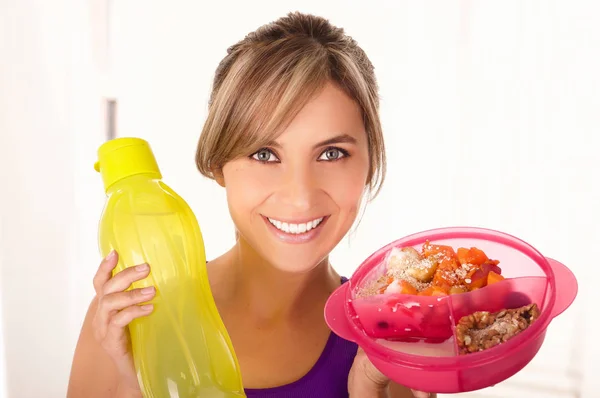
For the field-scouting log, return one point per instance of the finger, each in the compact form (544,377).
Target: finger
(115,333)
(105,269)
(125,278)
(119,301)
(115,302)
(421,394)
(123,318)
(373,374)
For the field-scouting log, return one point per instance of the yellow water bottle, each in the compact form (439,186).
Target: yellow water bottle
(182,348)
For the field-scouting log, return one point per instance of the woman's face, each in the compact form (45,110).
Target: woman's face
(294,200)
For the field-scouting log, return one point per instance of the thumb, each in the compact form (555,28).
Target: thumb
(380,380)
(372,373)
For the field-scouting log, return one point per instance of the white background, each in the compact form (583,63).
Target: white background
(490,113)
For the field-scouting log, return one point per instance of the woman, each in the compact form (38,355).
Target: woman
(293,135)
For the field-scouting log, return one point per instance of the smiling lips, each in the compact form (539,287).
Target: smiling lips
(290,232)
(292,228)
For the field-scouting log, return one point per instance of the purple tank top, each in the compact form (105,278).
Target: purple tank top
(327,378)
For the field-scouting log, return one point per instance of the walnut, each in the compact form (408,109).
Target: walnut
(483,330)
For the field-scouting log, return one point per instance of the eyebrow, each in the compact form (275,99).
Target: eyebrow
(338,139)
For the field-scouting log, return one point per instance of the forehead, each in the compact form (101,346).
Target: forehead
(330,113)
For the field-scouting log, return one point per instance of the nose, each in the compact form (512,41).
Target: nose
(299,188)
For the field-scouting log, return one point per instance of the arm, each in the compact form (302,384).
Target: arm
(103,364)
(93,373)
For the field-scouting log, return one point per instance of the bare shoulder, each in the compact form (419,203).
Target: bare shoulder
(93,373)
(218,270)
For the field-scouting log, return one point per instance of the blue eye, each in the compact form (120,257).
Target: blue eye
(333,153)
(265,155)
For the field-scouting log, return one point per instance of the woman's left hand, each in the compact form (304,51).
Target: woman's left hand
(366,381)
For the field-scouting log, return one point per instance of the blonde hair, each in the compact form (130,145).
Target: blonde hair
(266,79)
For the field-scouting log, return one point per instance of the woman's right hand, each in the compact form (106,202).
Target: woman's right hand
(116,309)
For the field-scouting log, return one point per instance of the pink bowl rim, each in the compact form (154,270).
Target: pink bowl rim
(456,361)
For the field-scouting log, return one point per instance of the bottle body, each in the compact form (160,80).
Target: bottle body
(182,349)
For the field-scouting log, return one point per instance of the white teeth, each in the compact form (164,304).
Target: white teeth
(295,228)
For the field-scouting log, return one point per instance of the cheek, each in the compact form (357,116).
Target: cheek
(347,185)
(246,187)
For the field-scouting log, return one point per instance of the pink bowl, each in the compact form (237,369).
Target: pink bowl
(423,355)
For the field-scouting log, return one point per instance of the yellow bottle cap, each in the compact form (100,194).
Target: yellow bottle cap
(123,157)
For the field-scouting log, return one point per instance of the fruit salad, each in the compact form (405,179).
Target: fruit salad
(436,270)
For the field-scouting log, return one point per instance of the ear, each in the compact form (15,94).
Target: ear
(219,178)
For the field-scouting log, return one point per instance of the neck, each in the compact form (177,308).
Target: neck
(271,295)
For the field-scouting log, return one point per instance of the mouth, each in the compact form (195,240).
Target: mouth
(296,231)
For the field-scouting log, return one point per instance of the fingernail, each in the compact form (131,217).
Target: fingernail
(148,290)
(147,307)
(111,254)
(141,267)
